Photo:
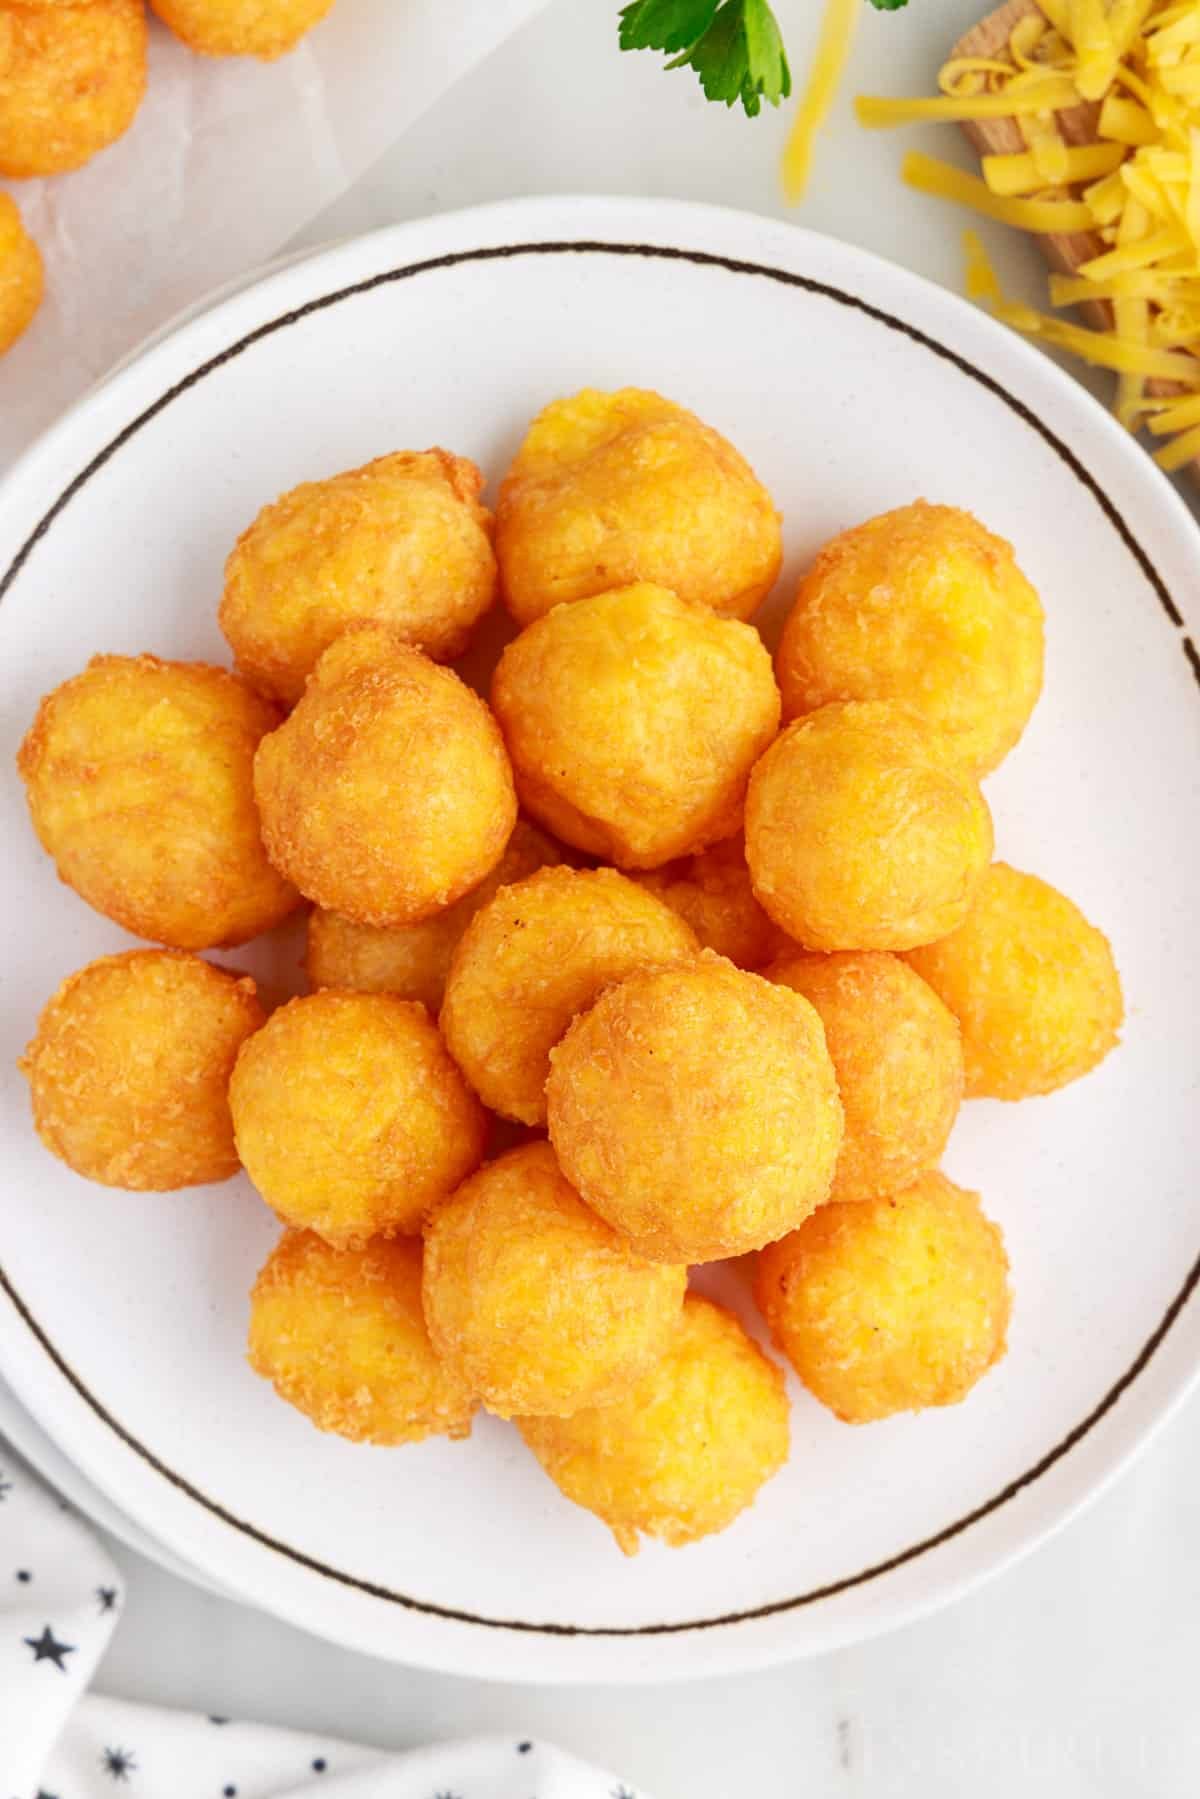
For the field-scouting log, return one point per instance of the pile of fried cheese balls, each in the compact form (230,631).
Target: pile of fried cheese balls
(72,79)
(720,985)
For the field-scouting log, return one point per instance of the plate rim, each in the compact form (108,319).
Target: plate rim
(674,221)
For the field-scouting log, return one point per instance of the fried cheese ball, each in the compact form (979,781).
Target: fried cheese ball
(862,832)
(537,1304)
(71,81)
(633,720)
(688,1447)
(696,1109)
(21,274)
(924,607)
(711,892)
(340,1335)
(1032,984)
(536,955)
(402,542)
(263,28)
(898,1058)
(350,1117)
(413,960)
(387,794)
(613,488)
(890,1305)
(129,1070)
(139,778)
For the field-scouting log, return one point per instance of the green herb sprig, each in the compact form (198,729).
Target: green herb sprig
(735,46)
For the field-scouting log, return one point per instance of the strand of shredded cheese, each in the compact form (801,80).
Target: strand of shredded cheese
(942,179)
(1104,349)
(877,111)
(981,276)
(1180,451)
(1031,171)
(833,50)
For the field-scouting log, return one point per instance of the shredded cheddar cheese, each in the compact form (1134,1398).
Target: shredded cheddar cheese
(1125,73)
(833,50)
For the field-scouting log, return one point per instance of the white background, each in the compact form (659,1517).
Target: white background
(1073,1675)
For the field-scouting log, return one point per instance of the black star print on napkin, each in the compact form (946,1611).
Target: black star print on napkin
(5,1487)
(118,1763)
(106,1598)
(47,1648)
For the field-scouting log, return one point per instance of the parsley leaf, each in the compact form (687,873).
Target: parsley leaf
(734,46)
(669,25)
(888,5)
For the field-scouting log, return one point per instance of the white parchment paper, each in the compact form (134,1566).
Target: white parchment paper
(226,161)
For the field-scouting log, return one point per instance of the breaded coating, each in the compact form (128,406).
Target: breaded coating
(387,794)
(897,1054)
(1032,984)
(129,1070)
(340,1335)
(138,775)
(862,832)
(612,488)
(687,1449)
(711,892)
(350,1117)
(924,607)
(537,1304)
(890,1305)
(696,1109)
(71,81)
(633,720)
(263,28)
(21,274)
(413,961)
(535,956)
(402,542)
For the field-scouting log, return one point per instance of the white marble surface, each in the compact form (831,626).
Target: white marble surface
(1075,1674)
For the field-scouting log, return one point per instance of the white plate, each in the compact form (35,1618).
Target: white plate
(18,1430)
(852,386)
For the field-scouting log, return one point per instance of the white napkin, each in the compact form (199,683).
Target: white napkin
(226,161)
(60,1599)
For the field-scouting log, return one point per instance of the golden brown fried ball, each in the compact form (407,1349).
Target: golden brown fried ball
(687,1449)
(350,1117)
(711,892)
(633,719)
(613,488)
(340,1335)
(21,275)
(898,1058)
(533,957)
(536,1303)
(71,81)
(402,542)
(696,1109)
(925,607)
(387,794)
(139,779)
(264,28)
(862,832)
(890,1305)
(413,960)
(1032,984)
(129,1070)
